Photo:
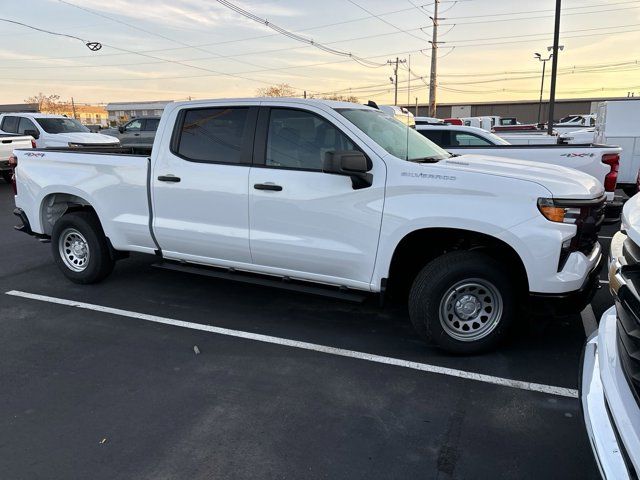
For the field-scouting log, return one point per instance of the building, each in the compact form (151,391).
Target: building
(19,107)
(86,114)
(121,112)
(526,111)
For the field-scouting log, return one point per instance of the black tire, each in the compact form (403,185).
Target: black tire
(433,290)
(85,226)
(6,176)
(630,190)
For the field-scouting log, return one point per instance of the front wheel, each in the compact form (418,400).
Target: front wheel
(80,248)
(463,301)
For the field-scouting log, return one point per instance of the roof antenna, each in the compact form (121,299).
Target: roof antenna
(373,104)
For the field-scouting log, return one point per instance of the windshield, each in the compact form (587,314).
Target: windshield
(395,137)
(61,125)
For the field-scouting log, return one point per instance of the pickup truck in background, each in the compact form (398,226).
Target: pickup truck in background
(599,161)
(139,133)
(54,131)
(610,380)
(8,143)
(329,197)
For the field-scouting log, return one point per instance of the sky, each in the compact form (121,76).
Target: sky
(178,49)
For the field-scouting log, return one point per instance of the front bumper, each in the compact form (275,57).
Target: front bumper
(610,414)
(569,302)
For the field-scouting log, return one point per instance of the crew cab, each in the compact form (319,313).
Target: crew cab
(610,380)
(139,132)
(8,143)
(326,196)
(599,161)
(54,130)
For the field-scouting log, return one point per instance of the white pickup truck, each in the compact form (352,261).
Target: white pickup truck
(8,143)
(326,196)
(599,161)
(610,380)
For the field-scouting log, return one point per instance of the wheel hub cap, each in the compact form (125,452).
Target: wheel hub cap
(74,250)
(471,309)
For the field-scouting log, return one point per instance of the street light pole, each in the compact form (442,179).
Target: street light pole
(544,64)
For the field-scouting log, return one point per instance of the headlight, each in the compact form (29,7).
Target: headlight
(559,213)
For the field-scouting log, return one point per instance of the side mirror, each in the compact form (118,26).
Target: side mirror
(351,163)
(121,129)
(33,133)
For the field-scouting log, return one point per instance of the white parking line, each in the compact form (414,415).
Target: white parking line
(518,384)
(604,281)
(604,236)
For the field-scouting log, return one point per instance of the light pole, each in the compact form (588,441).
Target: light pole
(544,64)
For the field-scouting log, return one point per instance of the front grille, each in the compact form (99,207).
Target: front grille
(628,311)
(588,226)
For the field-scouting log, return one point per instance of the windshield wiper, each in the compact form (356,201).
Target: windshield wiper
(426,159)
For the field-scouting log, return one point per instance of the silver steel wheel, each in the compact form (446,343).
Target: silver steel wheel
(471,309)
(74,250)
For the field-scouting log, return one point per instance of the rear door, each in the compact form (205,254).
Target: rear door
(305,223)
(148,133)
(200,185)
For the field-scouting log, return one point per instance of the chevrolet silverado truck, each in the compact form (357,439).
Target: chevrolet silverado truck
(326,196)
(610,380)
(8,143)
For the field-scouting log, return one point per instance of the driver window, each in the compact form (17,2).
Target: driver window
(299,139)
(24,125)
(134,126)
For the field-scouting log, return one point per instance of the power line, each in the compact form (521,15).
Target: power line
(299,38)
(385,21)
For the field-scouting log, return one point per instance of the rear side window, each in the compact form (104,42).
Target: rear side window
(212,135)
(439,137)
(464,139)
(10,124)
(24,125)
(299,139)
(151,124)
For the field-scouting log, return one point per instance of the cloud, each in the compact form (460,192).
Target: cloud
(191,14)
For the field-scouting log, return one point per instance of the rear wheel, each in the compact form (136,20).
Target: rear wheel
(462,301)
(80,248)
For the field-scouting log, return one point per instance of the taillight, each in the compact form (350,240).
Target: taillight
(13,163)
(33,143)
(610,180)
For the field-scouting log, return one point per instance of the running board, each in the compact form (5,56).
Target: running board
(341,293)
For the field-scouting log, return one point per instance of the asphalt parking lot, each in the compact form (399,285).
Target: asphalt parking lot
(93,392)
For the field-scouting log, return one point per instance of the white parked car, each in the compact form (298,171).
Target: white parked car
(610,381)
(334,194)
(54,131)
(599,161)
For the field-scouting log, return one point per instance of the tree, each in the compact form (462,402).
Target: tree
(48,103)
(341,98)
(279,90)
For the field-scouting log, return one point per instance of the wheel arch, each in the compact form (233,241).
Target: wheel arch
(422,245)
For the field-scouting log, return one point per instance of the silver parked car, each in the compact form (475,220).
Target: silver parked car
(139,132)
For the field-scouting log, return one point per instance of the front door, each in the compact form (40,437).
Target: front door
(305,223)
(200,186)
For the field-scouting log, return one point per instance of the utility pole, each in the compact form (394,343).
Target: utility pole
(73,109)
(434,61)
(554,67)
(394,79)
